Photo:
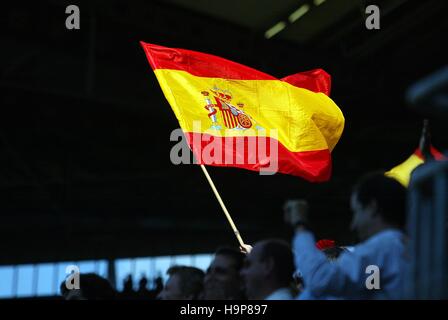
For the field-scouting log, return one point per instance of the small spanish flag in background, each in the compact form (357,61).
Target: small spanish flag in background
(223,101)
(425,152)
(402,172)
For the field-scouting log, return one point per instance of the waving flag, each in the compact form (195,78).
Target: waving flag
(425,151)
(223,104)
(402,172)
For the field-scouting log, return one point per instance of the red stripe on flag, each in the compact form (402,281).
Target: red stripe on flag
(314,166)
(207,65)
(316,80)
(435,153)
(199,64)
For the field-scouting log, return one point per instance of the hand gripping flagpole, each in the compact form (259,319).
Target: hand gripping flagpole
(229,218)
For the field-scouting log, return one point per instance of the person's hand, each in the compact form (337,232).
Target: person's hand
(295,212)
(246,248)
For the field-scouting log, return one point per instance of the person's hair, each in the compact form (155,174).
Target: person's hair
(191,279)
(388,193)
(93,287)
(236,255)
(334,252)
(280,252)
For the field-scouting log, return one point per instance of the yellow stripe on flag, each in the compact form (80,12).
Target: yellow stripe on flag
(402,172)
(305,120)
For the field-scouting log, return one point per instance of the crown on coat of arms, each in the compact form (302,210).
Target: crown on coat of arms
(224,95)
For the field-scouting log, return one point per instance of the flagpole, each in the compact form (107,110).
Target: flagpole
(229,218)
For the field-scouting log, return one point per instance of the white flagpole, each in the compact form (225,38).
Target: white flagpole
(229,218)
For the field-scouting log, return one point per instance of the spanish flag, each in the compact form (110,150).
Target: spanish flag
(229,112)
(425,152)
(402,172)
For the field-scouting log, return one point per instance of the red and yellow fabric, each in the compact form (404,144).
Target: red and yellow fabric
(229,98)
(402,172)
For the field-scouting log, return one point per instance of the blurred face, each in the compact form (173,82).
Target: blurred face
(222,280)
(172,289)
(75,294)
(362,217)
(254,273)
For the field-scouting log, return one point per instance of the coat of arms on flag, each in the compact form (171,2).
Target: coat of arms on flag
(223,111)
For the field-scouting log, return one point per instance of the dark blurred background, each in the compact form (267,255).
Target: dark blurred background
(85,171)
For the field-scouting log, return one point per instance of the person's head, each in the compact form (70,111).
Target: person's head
(184,283)
(377,202)
(128,284)
(222,280)
(91,287)
(142,284)
(268,267)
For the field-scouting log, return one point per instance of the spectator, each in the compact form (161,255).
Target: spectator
(268,271)
(222,280)
(128,292)
(332,252)
(378,205)
(184,283)
(143,292)
(92,287)
(158,285)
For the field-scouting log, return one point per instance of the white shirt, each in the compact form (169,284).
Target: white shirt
(346,277)
(280,294)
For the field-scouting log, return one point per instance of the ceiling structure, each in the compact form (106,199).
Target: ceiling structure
(84,127)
